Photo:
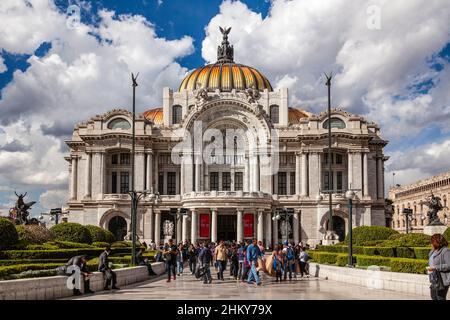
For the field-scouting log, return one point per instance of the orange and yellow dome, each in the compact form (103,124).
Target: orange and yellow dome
(225,77)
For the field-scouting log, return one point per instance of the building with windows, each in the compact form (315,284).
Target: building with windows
(230,151)
(412,197)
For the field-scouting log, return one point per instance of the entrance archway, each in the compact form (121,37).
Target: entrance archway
(118,226)
(226,227)
(338,226)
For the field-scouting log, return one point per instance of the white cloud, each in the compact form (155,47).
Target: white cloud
(86,72)
(53,199)
(3,67)
(303,39)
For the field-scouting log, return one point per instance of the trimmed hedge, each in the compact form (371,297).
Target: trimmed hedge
(326,258)
(45,246)
(100,244)
(405,252)
(408,240)
(28,261)
(121,244)
(99,234)
(408,265)
(14,269)
(422,253)
(446,234)
(69,244)
(364,234)
(379,251)
(8,233)
(73,232)
(365,261)
(58,254)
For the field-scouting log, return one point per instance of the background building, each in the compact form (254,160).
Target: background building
(233,196)
(410,196)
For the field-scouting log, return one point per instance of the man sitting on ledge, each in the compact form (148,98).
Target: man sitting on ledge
(108,274)
(80,262)
(143,261)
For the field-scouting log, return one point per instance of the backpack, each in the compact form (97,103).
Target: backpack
(290,254)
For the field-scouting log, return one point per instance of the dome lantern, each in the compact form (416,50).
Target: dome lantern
(225,52)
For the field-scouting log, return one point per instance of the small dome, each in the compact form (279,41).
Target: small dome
(154,115)
(225,74)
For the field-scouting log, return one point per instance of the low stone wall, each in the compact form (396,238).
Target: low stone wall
(47,288)
(394,281)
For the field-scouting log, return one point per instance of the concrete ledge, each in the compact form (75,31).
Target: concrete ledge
(394,281)
(47,288)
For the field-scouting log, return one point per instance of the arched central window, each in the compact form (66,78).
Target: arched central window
(119,123)
(274,113)
(335,123)
(176,114)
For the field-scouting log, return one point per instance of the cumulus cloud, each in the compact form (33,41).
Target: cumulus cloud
(300,40)
(53,199)
(85,72)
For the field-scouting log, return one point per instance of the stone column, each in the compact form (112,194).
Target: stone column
(157,227)
(295,227)
(304,175)
(97,176)
(297,173)
(240,225)
(87,176)
(365,175)
(274,231)
(380,177)
(260,225)
(268,229)
(185,229)
(182,176)
(247,175)
(350,171)
(197,173)
(194,227)
(73,179)
(139,171)
(319,167)
(102,174)
(148,225)
(257,173)
(188,172)
(179,234)
(149,184)
(156,172)
(213,225)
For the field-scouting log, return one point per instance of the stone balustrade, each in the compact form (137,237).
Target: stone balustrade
(47,288)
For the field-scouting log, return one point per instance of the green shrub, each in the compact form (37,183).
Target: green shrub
(326,257)
(374,243)
(6,271)
(73,232)
(333,248)
(379,251)
(68,244)
(121,244)
(405,252)
(422,252)
(100,235)
(364,234)
(408,265)
(409,240)
(8,233)
(5,262)
(33,233)
(45,246)
(365,261)
(100,244)
(446,234)
(31,274)
(342,259)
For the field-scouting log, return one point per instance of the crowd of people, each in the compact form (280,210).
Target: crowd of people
(244,260)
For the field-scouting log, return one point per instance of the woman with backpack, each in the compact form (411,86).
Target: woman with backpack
(439,267)
(278,265)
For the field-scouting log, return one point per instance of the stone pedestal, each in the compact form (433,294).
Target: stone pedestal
(430,230)
(330,238)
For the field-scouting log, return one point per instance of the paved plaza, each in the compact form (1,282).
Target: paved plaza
(187,287)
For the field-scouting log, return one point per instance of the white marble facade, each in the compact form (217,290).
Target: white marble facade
(234,197)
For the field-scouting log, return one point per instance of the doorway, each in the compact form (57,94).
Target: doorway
(118,226)
(338,227)
(226,227)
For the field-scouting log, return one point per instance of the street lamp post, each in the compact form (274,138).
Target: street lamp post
(135,196)
(350,195)
(285,214)
(330,200)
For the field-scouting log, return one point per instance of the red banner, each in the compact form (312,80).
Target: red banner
(204,225)
(248,225)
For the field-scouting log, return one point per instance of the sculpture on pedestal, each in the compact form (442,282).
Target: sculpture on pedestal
(434,206)
(20,211)
(168,228)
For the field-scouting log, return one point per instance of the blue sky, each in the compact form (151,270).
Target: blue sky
(295,41)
